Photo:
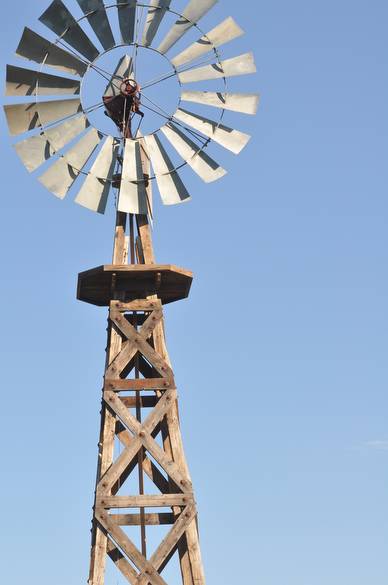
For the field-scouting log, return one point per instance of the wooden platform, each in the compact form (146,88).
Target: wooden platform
(103,284)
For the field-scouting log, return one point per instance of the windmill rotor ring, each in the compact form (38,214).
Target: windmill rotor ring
(59,131)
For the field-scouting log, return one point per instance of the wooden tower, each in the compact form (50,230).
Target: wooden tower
(139,405)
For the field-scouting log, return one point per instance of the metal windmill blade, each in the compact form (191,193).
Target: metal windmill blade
(28,82)
(36,48)
(133,193)
(197,159)
(171,188)
(26,117)
(155,15)
(58,19)
(36,150)
(241,65)
(235,102)
(127,19)
(194,11)
(230,139)
(61,175)
(96,14)
(224,33)
(96,187)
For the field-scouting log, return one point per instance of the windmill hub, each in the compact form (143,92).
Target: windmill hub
(129,87)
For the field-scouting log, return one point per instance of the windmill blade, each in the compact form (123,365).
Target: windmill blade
(61,175)
(230,139)
(194,11)
(36,150)
(235,102)
(156,13)
(95,189)
(224,33)
(200,162)
(133,193)
(171,188)
(123,70)
(241,65)
(28,82)
(50,112)
(127,19)
(58,19)
(59,136)
(36,48)
(25,117)
(98,20)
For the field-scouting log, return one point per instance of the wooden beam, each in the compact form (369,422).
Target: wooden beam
(138,385)
(150,519)
(145,401)
(122,564)
(158,501)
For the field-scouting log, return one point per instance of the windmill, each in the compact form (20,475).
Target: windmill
(61,134)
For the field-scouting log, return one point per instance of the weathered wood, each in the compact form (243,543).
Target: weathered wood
(138,305)
(150,519)
(158,501)
(172,539)
(146,239)
(146,401)
(127,546)
(136,385)
(143,432)
(136,346)
(121,563)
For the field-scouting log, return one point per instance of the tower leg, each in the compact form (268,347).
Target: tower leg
(140,412)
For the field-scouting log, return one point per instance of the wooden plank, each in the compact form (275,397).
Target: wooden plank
(119,251)
(122,360)
(142,305)
(145,238)
(185,519)
(154,501)
(138,385)
(145,401)
(150,519)
(118,467)
(122,564)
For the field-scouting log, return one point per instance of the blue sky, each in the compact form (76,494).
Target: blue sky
(280,353)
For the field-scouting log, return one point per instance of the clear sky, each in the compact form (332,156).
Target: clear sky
(280,353)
